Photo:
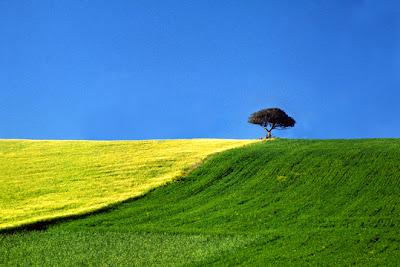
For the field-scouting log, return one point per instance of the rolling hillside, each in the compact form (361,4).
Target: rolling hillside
(286,202)
(42,180)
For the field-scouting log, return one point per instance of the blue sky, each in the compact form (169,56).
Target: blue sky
(186,69)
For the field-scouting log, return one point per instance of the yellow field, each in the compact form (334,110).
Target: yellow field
(41,180)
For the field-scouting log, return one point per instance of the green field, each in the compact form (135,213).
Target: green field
(42,180)
(286,202)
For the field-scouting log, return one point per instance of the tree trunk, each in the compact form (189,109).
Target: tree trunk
(268,135)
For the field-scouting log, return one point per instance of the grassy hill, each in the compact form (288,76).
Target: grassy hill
(42,180)
(286,202)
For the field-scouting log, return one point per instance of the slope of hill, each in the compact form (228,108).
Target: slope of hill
(287,202)
(41,180)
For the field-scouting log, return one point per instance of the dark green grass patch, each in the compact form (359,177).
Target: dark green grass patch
(287,202)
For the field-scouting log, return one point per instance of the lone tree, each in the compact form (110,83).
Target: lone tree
(270,119)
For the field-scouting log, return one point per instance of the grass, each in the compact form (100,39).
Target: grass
(43,180)
(286,202)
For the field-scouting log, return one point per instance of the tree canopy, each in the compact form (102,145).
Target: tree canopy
(270,119)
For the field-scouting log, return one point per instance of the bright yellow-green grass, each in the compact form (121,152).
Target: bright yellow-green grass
(41,180)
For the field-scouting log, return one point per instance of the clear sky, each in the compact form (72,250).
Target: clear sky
(185,69)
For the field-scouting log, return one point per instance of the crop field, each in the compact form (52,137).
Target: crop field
(42,180)
(285,203)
